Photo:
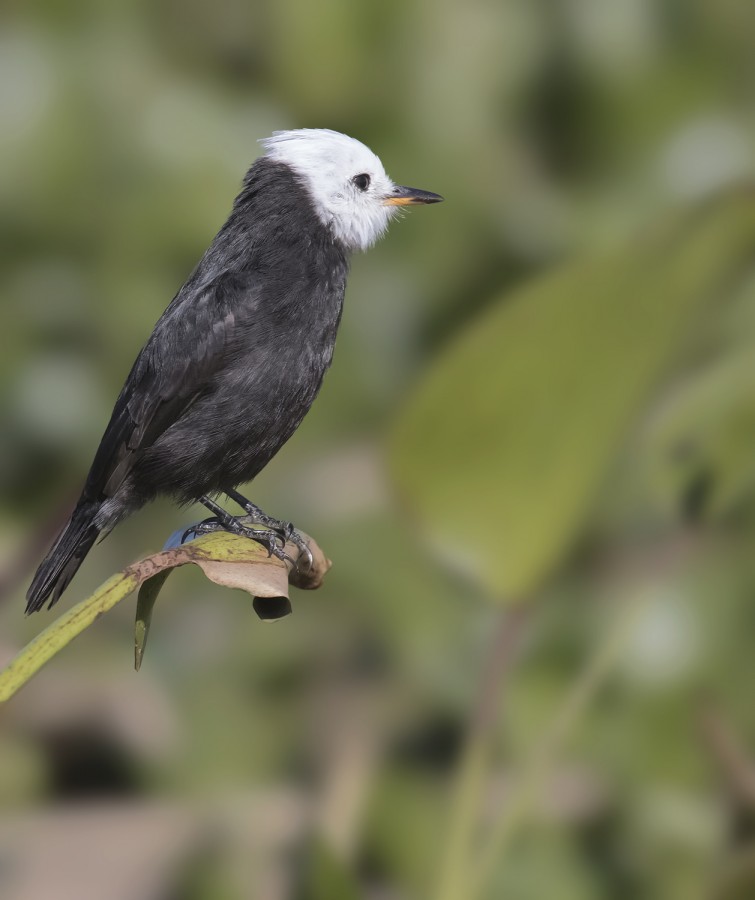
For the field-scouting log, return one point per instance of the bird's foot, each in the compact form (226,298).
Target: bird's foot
(268,537)
(285,530)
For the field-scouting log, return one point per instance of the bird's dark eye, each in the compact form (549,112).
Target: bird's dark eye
(361,181)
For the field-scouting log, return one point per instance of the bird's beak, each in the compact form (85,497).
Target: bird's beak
(407,196)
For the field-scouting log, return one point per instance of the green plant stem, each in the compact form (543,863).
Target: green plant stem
(474,765)
(465,805)
(582,692)
(63,631)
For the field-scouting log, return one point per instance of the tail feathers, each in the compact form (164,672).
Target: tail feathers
(64,558)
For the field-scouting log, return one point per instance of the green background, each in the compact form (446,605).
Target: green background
(529,673)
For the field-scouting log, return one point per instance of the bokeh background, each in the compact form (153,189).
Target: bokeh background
(530,671)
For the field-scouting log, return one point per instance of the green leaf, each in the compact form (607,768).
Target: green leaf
(145,603)
(502,448)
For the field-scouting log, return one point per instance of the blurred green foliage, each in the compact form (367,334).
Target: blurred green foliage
(509,437)
(559,364)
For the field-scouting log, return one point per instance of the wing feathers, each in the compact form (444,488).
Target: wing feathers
(189,344)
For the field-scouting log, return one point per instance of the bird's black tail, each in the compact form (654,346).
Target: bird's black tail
(64,558)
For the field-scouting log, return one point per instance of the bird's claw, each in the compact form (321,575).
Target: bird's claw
(303,548)
(286,532)
(268,539)
(289,534)
(206,526)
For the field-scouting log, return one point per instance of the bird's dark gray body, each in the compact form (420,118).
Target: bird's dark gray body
(235,361)
(230,370)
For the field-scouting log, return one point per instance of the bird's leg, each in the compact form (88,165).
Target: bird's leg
(285,529)
(224,521)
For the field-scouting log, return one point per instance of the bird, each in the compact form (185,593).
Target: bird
(237,358)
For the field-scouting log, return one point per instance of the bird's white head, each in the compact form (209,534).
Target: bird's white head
(348,185)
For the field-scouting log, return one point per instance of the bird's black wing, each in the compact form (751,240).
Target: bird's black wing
(185,350)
